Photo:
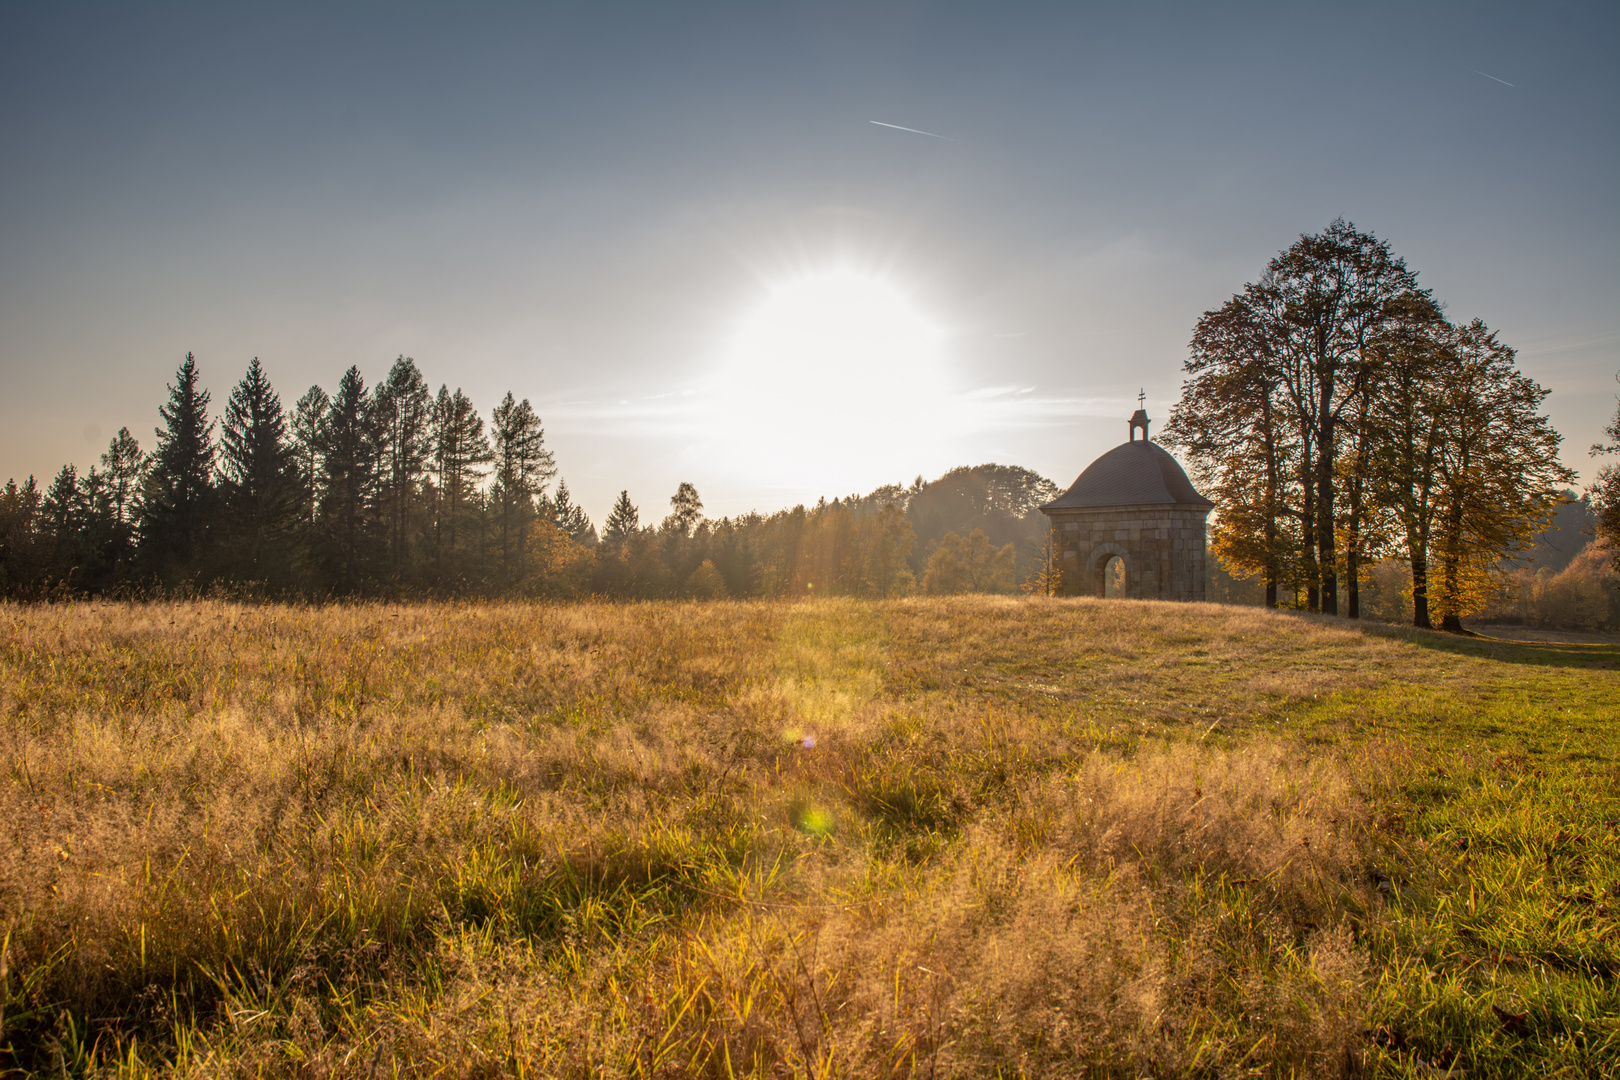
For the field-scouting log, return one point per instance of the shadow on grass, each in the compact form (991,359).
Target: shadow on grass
(1489,647)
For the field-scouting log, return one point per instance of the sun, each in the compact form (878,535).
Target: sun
(826,331)
(833,369)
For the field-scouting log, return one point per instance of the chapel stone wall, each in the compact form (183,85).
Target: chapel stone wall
(1163,547)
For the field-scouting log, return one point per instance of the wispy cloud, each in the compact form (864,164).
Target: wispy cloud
(1568,344)
(914,131)
(674,412)
(990,408)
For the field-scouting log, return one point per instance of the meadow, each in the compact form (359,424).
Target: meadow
(949,837)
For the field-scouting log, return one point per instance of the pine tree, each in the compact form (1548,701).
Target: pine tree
(523,465)
(402,415)
(623,521)
(460,454)
(106,548)
(63,514)
(21,554)
(123,469)
(178,502)
(258,482)
(571,518)
(309,443)
(348,487)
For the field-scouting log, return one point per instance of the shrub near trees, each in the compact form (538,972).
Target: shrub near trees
(1337,417)
(394,490)
(1583,595)
(1605,492)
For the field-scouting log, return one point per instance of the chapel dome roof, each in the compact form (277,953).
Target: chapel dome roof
(1136,473)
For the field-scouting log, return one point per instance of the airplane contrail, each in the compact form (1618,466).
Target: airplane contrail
(1493,78)
(914,131)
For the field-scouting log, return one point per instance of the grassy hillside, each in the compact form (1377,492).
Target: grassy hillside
(965,837)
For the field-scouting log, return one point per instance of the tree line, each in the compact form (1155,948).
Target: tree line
(1337,417)
(397,491)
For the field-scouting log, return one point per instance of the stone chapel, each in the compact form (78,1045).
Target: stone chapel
(1135,504)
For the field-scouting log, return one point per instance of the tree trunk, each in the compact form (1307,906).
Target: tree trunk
(1358,506)
(1352,550)
(1271,501)
(1451,621)
(1420,587)
(1327,544)
(1307,525)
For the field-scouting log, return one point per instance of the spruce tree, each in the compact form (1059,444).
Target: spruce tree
(523,465)
(309,442)
(104,540)
(460,454)
(63,504)
(258,482)
(65,514)
(178,501)
(571,518)
(348,484)
(124,468)
(402,416)
(21,556)
(623,521)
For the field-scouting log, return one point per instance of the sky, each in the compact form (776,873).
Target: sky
(677,230)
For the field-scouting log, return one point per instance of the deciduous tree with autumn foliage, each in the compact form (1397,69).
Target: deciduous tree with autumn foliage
(1335,416)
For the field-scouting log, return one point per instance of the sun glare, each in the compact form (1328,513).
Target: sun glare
(836,369)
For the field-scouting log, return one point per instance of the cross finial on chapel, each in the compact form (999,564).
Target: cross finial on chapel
(1141,398)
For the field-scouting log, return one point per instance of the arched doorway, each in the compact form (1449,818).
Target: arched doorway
(1108,571)
(1113,577)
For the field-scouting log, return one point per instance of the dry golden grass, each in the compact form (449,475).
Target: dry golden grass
(1036,838)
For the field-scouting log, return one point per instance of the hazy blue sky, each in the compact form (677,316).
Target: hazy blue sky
(583,204)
